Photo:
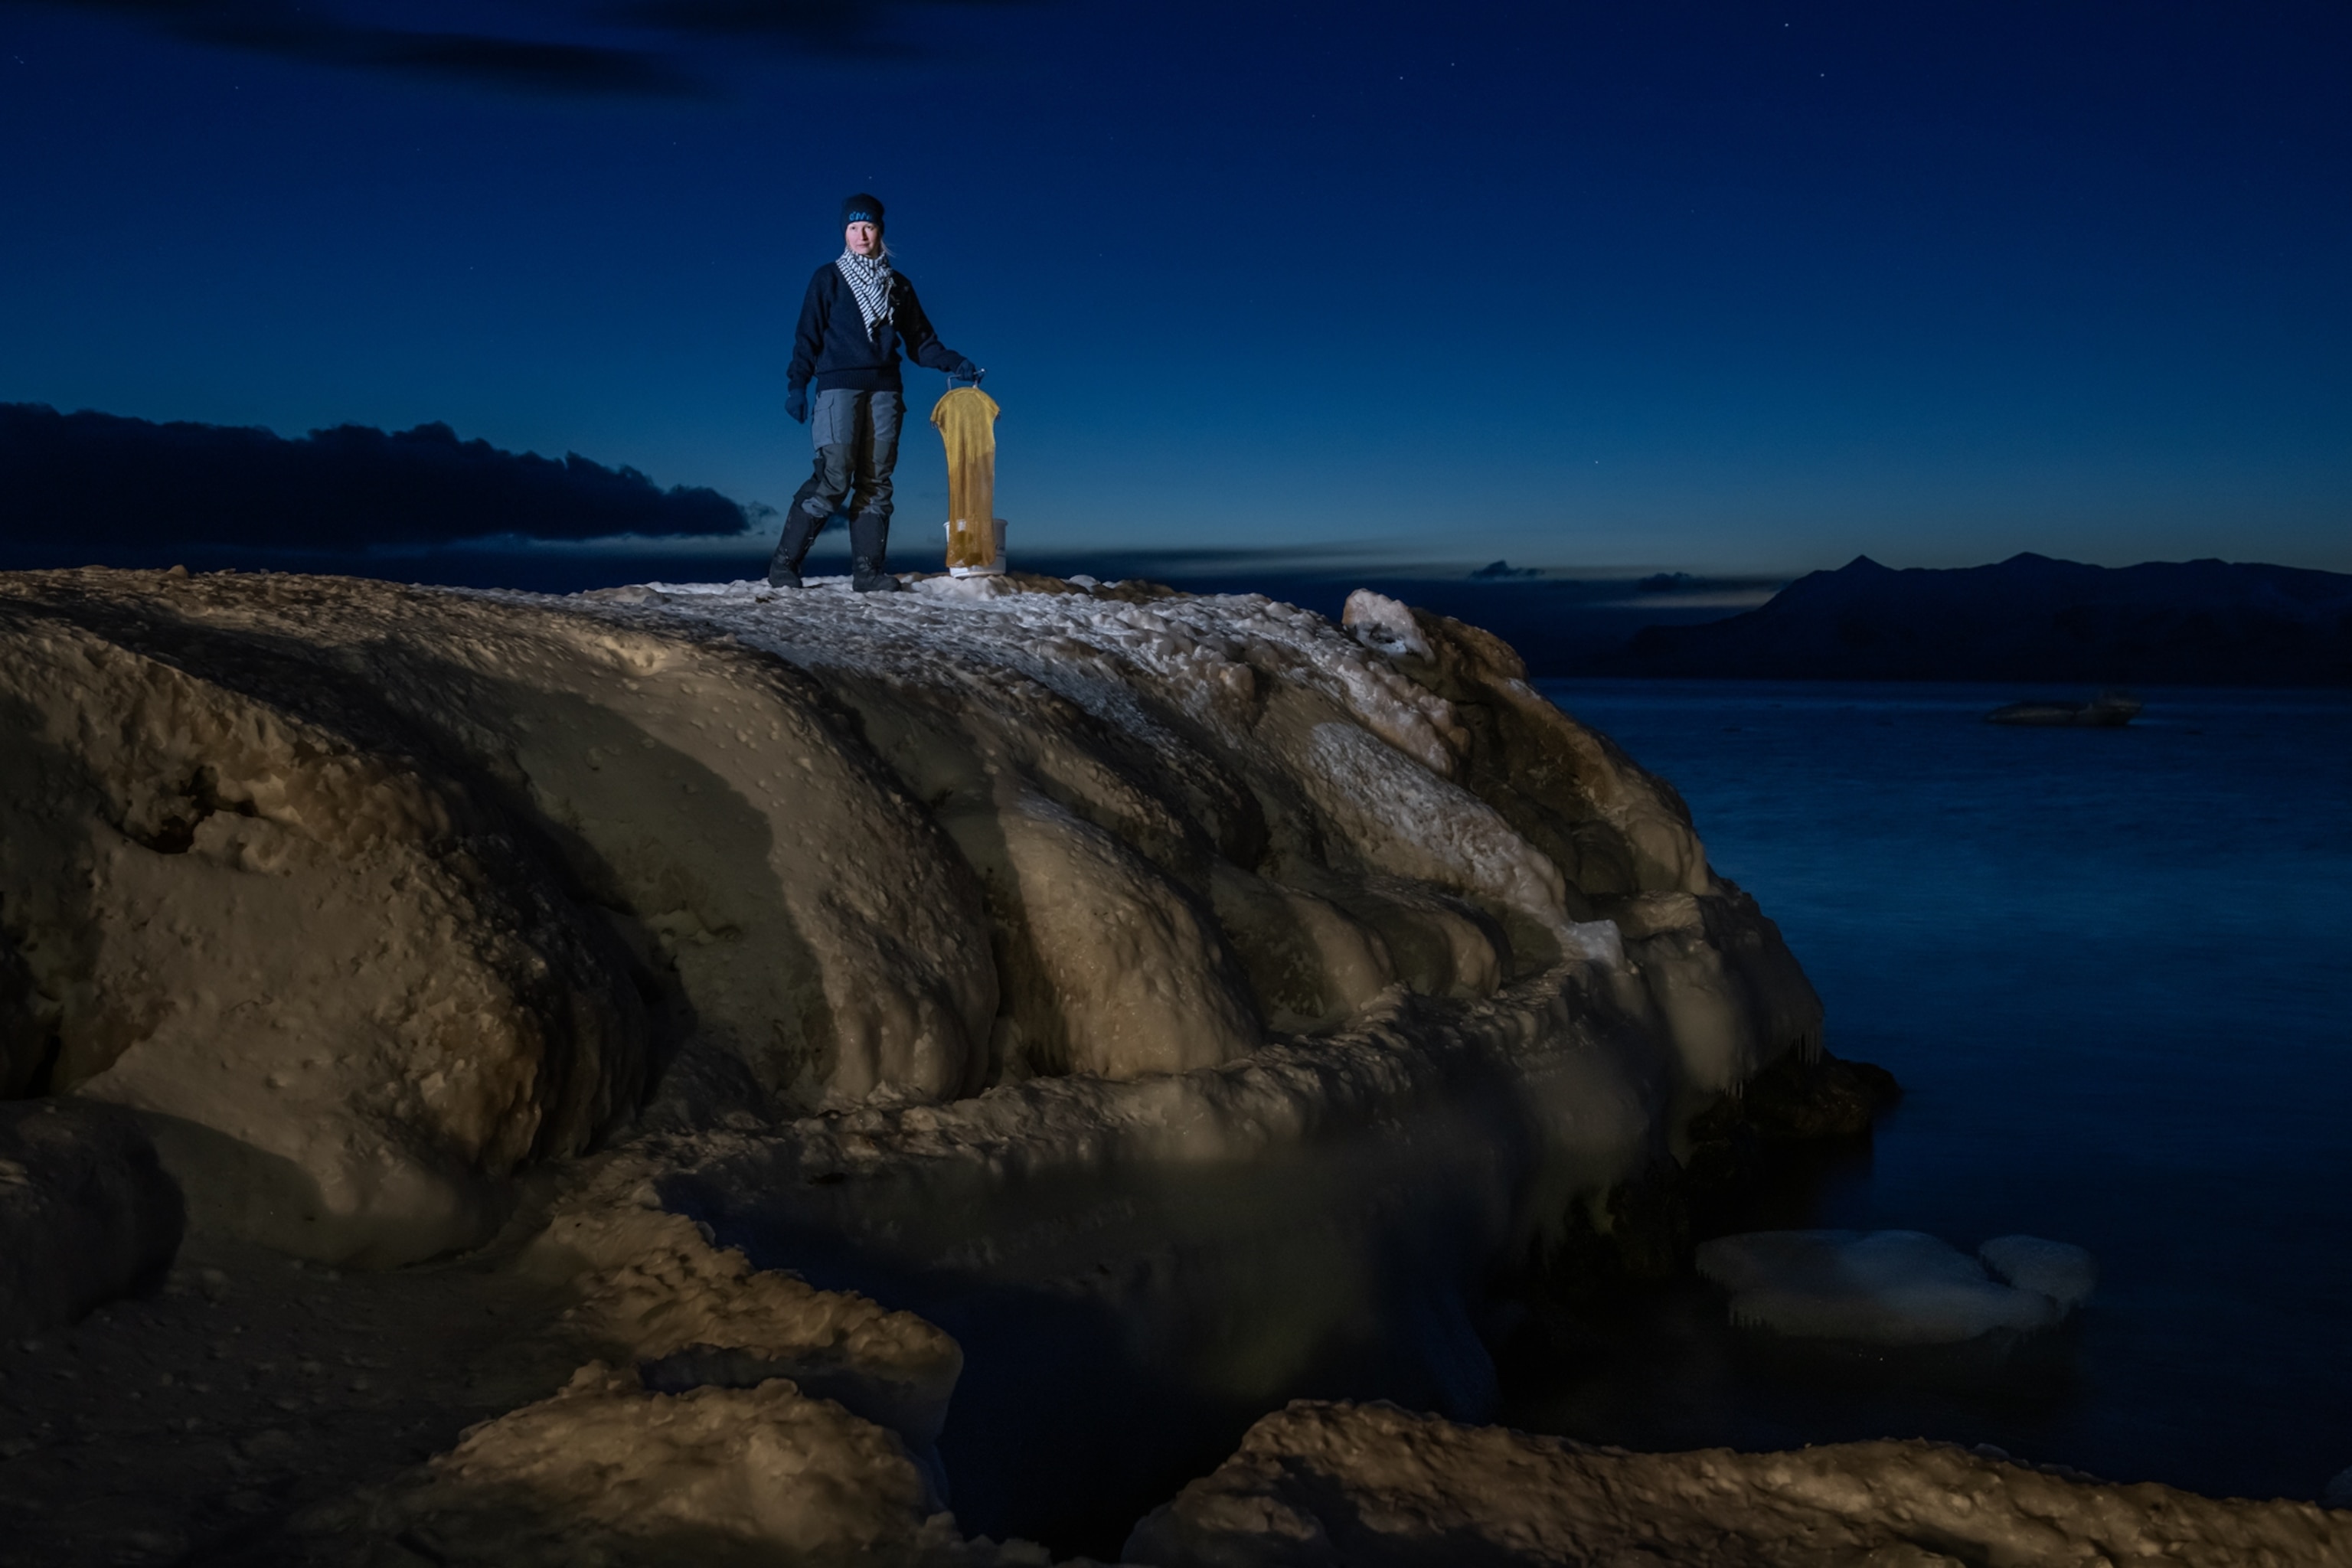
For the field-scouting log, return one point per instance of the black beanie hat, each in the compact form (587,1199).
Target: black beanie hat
(861,209)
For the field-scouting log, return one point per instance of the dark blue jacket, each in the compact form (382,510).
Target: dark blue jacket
(833,347)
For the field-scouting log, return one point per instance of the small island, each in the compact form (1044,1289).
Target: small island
(2107,711)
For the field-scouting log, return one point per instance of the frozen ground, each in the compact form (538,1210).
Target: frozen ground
(611,1021)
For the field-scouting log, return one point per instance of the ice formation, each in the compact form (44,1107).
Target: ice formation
(1895,1286)
(1225,988)
(1375,1487)
(368,897)
(2058,1269)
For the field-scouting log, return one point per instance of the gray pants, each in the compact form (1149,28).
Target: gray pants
(857,439)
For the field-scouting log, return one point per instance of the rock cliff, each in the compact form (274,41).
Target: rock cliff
(369,897)
(1214,989)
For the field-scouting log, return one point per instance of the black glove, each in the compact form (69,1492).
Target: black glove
(796,405)
(966,372)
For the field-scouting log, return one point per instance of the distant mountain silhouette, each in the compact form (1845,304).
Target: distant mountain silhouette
(2028,618)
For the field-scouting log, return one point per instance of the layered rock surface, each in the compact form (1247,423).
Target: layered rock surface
(1376,1487)
(1219,988)
(369,897)
(255,901)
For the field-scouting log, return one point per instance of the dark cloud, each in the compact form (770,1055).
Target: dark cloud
(313,34)
(104,484)
(832,27)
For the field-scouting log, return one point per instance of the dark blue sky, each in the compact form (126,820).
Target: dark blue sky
(1718,288)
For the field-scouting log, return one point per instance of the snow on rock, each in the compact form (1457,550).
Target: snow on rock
(86,1212)
(1375,1487)
(367,897)
(1377,621)
(360,893)
(1727,994)
(1217,991)
(1893,1287)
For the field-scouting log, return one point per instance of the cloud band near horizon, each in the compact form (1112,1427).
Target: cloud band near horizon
(313,34)
(112,482)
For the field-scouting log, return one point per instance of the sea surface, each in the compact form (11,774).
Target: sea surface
(2113,970)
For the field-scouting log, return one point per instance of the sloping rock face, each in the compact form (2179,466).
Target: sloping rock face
(1203,990)
(368,897)
(1376,1487)
(257,902)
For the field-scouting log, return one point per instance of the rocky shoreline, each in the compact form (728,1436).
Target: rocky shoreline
(693,1072)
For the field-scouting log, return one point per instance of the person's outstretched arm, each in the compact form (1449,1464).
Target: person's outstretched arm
(922,345)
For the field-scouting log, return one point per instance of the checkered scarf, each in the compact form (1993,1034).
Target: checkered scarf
(868,277)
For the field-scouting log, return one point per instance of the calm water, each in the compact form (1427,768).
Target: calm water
(2114,972)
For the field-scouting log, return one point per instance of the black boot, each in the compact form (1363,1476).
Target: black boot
(869,543)
(799,532)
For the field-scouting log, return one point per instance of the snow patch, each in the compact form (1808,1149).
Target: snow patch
(1383,623)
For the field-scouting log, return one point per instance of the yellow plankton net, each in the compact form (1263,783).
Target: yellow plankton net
(967,420)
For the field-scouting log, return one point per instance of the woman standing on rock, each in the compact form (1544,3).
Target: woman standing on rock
(857,313)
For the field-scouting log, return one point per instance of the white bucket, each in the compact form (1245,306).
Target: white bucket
(995,567)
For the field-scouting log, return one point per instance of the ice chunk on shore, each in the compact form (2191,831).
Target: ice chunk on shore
(1887,1287)
(2063,1272)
